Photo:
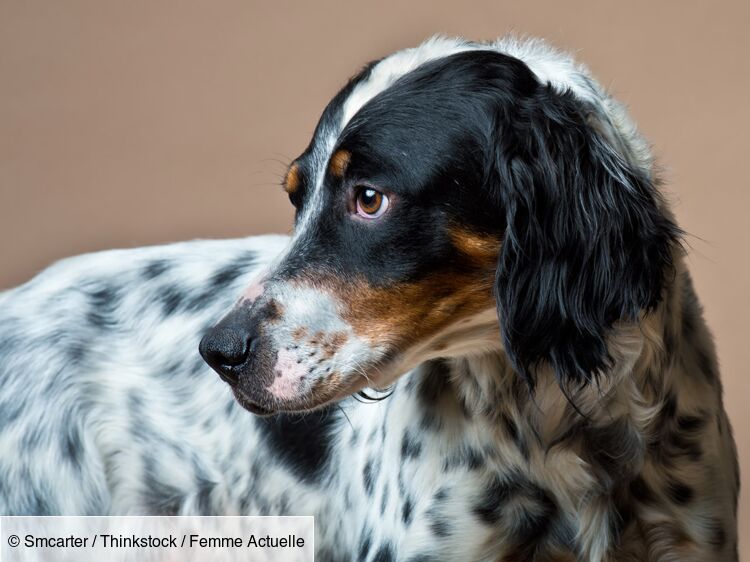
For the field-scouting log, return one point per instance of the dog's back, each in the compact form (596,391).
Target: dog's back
(105,403)
(106,408)
(584,421)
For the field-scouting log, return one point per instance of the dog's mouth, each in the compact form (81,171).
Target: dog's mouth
(251,406)
(266,405)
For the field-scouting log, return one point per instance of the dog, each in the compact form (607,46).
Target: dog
(481,341)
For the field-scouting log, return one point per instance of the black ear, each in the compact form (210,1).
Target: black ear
(587,242)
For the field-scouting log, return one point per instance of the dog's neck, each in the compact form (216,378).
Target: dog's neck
(486,387)
(584,446)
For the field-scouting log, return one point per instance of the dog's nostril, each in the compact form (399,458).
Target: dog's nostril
(225,349)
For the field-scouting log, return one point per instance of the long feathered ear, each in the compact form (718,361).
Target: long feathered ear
(587,242)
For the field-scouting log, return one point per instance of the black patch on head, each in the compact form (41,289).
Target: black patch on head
(384,554)
(475,139)
(301,442)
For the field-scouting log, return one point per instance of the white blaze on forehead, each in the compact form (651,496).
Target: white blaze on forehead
(391,68)
(550,66)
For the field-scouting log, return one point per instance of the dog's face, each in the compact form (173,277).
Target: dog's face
(429,200)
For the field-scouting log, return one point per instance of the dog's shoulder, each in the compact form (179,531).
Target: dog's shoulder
(101,305)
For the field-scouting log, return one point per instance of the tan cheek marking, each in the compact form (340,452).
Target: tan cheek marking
(339,161)
(403,314)
(274,311)
(481,250)
(299,333)
(336,386)
(292,180)
(406,313)
(332,344)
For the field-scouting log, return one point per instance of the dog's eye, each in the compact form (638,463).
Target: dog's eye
(371,203)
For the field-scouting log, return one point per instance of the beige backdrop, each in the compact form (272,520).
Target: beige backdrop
(140,122)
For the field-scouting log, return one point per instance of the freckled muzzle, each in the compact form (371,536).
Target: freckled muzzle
(284,347)
(239,351)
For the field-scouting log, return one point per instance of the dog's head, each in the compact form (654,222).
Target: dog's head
(447,187)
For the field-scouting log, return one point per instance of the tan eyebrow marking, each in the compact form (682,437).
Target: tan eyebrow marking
(480,249)
(339,161)
(292,179)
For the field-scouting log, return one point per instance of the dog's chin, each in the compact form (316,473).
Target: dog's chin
(251,406)
(310,404)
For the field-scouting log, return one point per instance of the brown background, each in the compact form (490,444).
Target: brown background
(130,123)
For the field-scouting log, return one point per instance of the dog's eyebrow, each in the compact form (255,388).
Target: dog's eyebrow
(480,248)
(292,179)
(339,161)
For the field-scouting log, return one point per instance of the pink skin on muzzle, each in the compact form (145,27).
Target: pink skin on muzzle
(289,373)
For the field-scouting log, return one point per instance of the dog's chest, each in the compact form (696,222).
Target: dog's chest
(399,487)
(405,483)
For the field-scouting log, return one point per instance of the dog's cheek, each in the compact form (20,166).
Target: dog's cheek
(407,314)
(316,354)
(289,376)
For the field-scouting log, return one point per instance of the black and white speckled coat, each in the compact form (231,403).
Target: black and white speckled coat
(446,186)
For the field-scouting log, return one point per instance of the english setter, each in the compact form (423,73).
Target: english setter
(482,254)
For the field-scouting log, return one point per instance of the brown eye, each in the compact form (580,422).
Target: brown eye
(371,203)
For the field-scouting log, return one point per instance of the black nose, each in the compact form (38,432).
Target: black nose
(225,349)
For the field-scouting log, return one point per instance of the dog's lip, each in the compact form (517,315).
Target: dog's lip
(292,407)
(251,406)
